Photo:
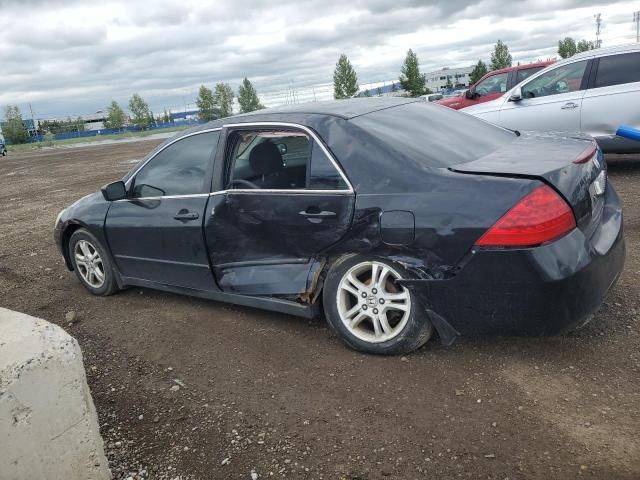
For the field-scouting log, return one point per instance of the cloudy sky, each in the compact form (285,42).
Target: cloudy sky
(72,57)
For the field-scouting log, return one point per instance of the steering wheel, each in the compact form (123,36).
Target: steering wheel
(242,181)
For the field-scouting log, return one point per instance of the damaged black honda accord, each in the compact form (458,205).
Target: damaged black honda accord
(393,218)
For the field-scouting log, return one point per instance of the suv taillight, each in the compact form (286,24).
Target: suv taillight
(539,217)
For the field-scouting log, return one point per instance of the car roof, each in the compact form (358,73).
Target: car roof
(525,66)
(601,52)
(345,109)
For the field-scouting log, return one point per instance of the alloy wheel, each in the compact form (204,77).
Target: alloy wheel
(370,303)
(89,263)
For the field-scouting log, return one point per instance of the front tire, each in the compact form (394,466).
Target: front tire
(92,263)
(369,311)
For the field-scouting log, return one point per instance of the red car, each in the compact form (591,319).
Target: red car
(494,84)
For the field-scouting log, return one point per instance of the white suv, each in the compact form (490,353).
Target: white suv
(594,92)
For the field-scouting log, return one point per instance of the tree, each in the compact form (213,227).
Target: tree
(585,46)
(448,85)
(116,118)
(223,99)
(411,81)
(140,113)
(366,93)
(13,127)
(248,97)
(345,80)
(567,47)
(379,91)
(479,71)
(500,58)
(207,110)
(166,118)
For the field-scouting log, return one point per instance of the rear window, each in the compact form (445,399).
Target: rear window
(618,69)
(434,135)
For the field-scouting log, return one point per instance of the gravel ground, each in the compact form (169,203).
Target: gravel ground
(193,389)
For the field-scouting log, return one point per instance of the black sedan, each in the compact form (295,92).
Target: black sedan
(393,217)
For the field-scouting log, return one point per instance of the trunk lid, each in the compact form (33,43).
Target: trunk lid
(552,158)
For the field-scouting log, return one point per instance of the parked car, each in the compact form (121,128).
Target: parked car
(356,209)
(431,97)
(493,85)
(3,148)
(593,92)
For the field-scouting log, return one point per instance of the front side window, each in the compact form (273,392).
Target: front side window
(280,160)
(179,169)
(494,84)
(526,73)
(618,69)
(563,79)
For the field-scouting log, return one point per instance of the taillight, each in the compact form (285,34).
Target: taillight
(539,217)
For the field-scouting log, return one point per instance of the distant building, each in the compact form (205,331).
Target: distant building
(388,88)
(458,78)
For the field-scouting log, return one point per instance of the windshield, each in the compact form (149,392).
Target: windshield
(434,135)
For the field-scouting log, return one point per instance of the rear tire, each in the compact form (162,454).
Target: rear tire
(91,263)
(369,311)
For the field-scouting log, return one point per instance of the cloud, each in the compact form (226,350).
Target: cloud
(73,56)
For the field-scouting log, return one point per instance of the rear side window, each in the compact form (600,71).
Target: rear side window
(179,169)
(526,73)
(280,160)
(618,69)
(269,160)
(323,174)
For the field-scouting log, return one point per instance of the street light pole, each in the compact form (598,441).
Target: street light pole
(636,18)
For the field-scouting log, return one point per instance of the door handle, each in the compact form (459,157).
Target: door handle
(318,214)
(569,106)
(186,215)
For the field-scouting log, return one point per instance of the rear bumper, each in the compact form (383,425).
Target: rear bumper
(534,291)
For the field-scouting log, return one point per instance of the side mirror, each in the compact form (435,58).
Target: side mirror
(516,95)
(470,94)
(114,191)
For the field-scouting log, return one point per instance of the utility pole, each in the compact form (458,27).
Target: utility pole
(636,18)
(598,18)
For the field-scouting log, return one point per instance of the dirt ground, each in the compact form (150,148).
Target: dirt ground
(194,389)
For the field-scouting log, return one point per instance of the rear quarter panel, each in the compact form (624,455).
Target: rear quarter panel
(451,213)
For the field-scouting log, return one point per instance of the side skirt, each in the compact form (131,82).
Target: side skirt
(265,303)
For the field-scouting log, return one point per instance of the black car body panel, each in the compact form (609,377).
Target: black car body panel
(89,212)
(423,204)
(528,291)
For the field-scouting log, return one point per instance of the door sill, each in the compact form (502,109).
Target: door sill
(262,302)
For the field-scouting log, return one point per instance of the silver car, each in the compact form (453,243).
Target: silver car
(593,92)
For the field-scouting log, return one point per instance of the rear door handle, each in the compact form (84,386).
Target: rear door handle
(186,215)
(569,106)
(320,214)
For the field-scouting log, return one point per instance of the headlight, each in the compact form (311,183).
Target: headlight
(59,217)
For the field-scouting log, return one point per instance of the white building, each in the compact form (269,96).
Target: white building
(458,78)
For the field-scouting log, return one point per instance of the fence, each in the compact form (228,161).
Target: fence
(111,131)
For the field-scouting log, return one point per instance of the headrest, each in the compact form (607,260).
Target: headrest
(265,159)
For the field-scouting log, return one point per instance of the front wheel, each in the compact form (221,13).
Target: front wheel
(370,311)
(92,263)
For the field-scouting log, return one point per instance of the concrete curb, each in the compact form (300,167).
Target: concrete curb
(48,423)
